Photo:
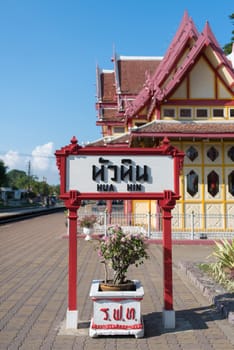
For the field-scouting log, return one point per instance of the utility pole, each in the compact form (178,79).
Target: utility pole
(29,174)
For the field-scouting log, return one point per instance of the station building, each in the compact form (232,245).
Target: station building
(186,96)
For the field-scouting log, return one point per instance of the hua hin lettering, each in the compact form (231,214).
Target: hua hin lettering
(108,175)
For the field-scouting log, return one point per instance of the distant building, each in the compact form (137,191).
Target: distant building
(7,193)
(187,95)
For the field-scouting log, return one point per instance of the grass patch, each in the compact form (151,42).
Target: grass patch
(218,274)
(205,268)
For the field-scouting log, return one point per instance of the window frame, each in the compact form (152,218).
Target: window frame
(169,109)
(218,109)
(200,109)
(118,127)
(188,109)
(231,111)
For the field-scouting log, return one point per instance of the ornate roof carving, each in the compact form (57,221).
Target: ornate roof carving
(176,63)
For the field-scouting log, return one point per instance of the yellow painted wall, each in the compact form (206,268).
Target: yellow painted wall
(207,209)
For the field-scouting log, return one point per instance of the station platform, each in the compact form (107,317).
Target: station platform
(33,294)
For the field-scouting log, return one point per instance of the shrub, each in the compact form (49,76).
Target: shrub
(223,269)
(121,250)
(88,221)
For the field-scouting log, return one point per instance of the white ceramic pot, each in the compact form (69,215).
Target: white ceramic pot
(87,231)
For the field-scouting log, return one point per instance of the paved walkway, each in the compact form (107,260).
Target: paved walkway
(33,295)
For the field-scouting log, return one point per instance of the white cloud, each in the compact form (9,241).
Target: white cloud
(12,160)
(42,161)
(41,157)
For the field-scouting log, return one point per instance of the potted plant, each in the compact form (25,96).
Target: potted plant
(119,250)
(87,223)
(117,309)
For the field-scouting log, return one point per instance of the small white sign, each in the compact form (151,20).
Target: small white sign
(120,173)
(125,313)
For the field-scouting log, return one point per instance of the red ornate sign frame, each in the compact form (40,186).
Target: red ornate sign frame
(72,199)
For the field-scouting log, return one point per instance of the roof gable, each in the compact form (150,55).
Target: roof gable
(183,55)
(185,36)
(219,63)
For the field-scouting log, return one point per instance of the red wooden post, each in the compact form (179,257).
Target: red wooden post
(72,205)
(167,204)
(72,267)
(167,259)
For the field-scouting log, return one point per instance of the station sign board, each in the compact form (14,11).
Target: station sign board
(119,173)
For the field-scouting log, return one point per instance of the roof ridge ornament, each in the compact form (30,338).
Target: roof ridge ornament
(74,140)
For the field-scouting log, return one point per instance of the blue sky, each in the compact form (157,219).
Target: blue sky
(49,53)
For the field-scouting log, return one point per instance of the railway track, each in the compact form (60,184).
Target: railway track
(24,214)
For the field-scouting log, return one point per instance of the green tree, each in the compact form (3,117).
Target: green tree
(3,174)
(17,179)
(228,47)
(55,190)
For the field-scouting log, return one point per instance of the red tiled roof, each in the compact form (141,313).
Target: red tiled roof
(109,114)
(108,87)
(190,129)
(160,129)
(132,73)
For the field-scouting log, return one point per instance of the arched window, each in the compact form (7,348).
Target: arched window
(213,183)
(192,183)
(231,153)
(231,183)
